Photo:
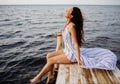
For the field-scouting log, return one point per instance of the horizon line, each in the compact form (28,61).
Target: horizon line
(61,4)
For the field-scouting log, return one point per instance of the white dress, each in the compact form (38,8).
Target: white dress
(92,57)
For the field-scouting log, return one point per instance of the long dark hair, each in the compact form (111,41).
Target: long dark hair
(77,19)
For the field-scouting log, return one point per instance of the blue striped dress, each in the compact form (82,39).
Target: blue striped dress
(92,57)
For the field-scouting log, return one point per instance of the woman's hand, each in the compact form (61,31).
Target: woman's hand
(80,63)
(57,34)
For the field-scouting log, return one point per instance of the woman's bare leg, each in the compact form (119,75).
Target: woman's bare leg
(60,59)
(49,55)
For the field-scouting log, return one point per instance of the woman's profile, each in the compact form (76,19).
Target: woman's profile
(73,38)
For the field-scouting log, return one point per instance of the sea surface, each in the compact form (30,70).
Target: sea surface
(26,36)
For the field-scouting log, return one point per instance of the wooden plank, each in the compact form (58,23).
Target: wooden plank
(117,73)
(73,74)
(94,79)
(102,76)
(61,75)
(113,77)
(82,75)
(88,76)
(67,74)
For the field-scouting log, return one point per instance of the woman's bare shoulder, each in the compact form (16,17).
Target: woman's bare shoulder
(71,26)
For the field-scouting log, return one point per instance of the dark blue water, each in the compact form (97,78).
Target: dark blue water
(26,36)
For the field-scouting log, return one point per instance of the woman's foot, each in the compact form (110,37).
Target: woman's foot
(34,80)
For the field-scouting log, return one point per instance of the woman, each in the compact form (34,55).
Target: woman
(73,51)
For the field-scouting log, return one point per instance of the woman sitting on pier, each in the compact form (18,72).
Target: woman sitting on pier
(74,52)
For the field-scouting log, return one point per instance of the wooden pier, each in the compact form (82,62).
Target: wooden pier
(73,74)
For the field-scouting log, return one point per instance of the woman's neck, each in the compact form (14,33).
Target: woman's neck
(67,21)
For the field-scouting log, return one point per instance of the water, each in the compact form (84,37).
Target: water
(26,36)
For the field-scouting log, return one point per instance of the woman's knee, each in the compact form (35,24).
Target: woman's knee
(48,56)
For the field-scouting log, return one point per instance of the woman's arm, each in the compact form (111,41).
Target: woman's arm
(75,42)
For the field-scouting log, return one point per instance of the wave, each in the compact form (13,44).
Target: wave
(18,31)
(9,35)
(13,68)
(47,48)
(114,24)
(7,24)
(5,20)
(19,24)
(33,44)
(48,36)
(12,45)
(4,36)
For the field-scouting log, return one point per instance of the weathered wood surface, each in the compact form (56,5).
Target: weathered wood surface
(73,74)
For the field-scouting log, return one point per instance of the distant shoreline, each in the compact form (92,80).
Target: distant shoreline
(59,5)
